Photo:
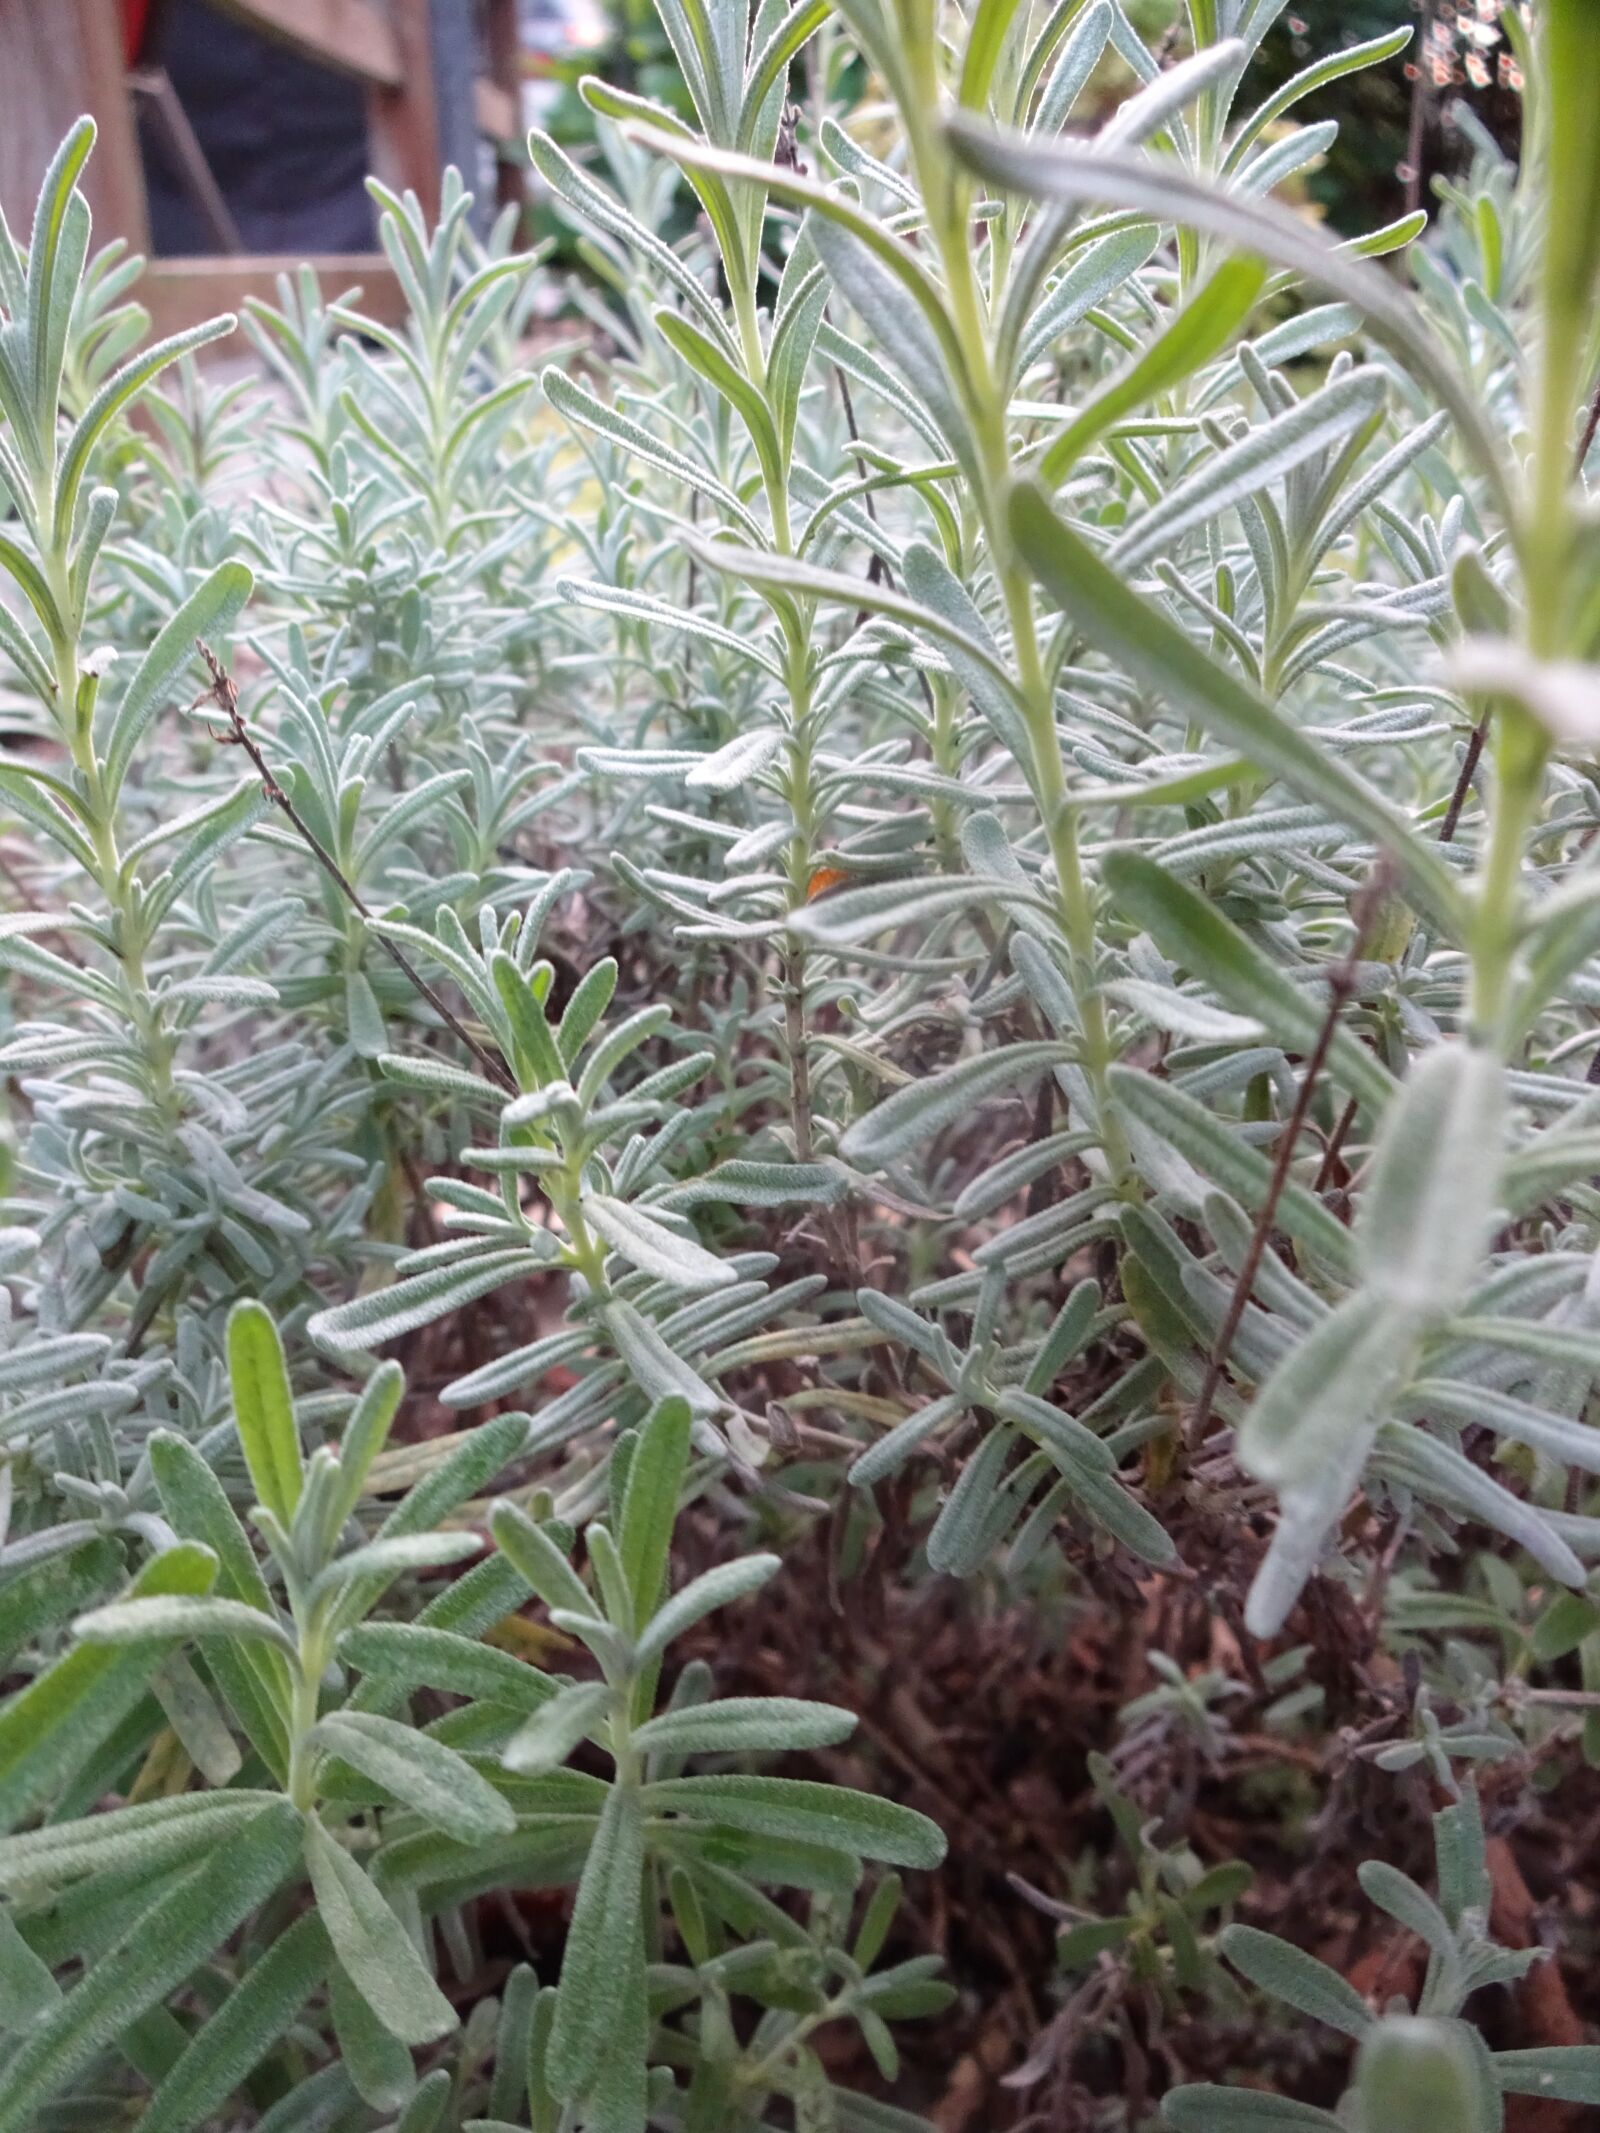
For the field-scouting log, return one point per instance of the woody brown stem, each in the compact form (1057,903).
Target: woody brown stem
(1469,767)
(225,696)
(1341,985)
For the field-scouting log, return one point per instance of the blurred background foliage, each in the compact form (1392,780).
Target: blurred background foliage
(1398,123)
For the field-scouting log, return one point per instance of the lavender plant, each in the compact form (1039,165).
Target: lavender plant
(933,888)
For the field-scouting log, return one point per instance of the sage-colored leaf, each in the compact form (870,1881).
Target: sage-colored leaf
(373,1945)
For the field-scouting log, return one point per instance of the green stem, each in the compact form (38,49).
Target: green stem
(302,1717)
(99,817)
(1520,751)
(946,190)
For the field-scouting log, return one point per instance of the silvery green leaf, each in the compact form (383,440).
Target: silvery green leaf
(384,1314)
(661,614)
(850,917)
(785,575)
(413,1070)
(1220,1154)
(153,1957)
(1417,2070)
(891,1451)
(959,1538)
(894,325)
(1205,2107)
(145,1838)
(421,1774)
(1155,650)
(258,2010)
(1575,1444)
(833,1816)
(1566,2073)
(416,1656)
(546,1740)
(1189,928)
(378,2064)
(1150,109)
(377,1563)
(737,761)
(27,1988)
(743,1725)
(1299,1980)
(373,1946)
(656,1467)
(263,1408)
(1441,1474)
(597,205)
(1182,1015)
(208,612)
(1308,79)
(700,1597)
(1073,173)
(535,1555)
(650,1245)
(1262,456)
(1078,1447)
(171,1619)
(916,1113)
(603,1941)
(1424,1219)
(1411,1905)
(653,1364)
(1317,1414)
(743,1181)
(194,1717)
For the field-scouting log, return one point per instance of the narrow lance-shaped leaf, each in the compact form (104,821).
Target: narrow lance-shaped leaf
(162,1948)
(916,1113)
(264,1409)
(1072,173)
(1158,654)
(420,1773)
(1201,330)
(373,1945)
(62,1716)
(606,1931)
(210,610)
(257,2012)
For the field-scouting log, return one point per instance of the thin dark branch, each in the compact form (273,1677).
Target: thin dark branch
(1591,424)
(1335,1147)
(1469,768)
(1341,984)
(226,698)
(877,570)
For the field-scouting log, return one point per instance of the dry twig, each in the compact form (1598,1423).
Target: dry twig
(225,696)
(1341,984)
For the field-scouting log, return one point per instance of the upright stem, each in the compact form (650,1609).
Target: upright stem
(794,1021)
(1520,751)
(77,731)
(945,188)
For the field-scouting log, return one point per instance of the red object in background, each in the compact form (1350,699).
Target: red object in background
(135,21)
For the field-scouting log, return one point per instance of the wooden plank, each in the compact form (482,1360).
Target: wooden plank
(352,37)
(114,179)
(502,40)
(151,88)
(184,292)
(57,62)
(404,122)
(41,59)
(496,109)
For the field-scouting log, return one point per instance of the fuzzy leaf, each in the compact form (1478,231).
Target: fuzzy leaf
(373,1945)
